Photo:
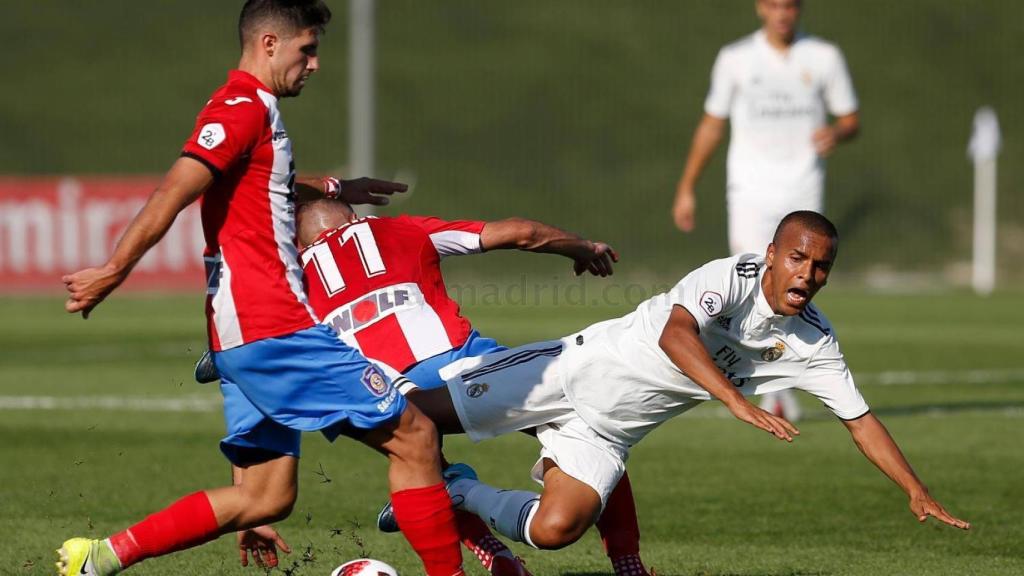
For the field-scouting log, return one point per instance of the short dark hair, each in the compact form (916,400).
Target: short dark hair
(808,220)
(294,15)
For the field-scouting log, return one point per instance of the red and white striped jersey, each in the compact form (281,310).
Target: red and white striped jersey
(377,283)
(254,281)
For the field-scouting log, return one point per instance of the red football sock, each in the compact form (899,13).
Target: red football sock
(478,538)
(617,524)
(186,523)
(427,520)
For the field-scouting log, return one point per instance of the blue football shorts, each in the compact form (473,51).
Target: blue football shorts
(425,374)
(276,388)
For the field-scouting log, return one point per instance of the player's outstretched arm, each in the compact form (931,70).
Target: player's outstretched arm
(878,445)
(680,340)
(532,236)
(183,183)
(706,138)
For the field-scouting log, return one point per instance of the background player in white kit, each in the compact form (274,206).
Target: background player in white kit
(776,86)
(734,327)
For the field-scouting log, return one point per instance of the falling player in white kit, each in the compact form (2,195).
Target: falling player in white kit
(776,87)
(734,327)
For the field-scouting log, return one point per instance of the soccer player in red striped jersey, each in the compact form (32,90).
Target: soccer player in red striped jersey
(239,161)
(377,282)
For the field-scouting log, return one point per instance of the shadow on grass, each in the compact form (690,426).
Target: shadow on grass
(706,573)
(949,408)
(935,409)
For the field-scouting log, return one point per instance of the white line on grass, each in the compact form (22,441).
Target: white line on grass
(904,378)
(119,403)
(210,403)
(195,404)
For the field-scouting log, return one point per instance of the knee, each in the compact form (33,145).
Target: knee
(268,506)
(419,439)
(557,529)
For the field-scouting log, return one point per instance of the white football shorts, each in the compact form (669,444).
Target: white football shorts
(753,218)
(521,389)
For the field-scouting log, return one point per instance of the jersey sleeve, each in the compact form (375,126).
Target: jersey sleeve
(709,291)
(723,87)
(451,237)
(839,94)
(828,378)
(226,130)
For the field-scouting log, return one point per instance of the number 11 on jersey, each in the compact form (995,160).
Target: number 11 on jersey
(327,267)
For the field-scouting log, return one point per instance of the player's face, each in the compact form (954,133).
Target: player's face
(779,17)
(294,60)
(798,266)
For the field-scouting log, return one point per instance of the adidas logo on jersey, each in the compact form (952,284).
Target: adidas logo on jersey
(747,269)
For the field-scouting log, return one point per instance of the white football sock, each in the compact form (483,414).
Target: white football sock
(510,512)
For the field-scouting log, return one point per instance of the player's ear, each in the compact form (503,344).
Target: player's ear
(269,43)
(769,256)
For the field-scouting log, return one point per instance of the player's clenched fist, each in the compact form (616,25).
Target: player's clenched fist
(89,287)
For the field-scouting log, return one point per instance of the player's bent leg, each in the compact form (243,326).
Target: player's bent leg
(186,523)
(411,444)
(557,517)
(419,500)
(264,492)
(567,508)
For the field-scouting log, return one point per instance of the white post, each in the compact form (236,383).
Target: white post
(361,88)
(983,149)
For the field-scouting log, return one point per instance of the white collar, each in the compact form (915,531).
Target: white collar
(761,40)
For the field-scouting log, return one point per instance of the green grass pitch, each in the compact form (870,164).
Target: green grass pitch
(715,496)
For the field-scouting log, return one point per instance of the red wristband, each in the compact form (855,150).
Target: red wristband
(332,187)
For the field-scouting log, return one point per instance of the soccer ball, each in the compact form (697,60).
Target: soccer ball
(364,567)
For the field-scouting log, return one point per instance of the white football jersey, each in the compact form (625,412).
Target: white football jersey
(623,385)
(775,101)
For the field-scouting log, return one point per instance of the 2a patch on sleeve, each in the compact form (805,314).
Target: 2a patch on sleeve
(211,135)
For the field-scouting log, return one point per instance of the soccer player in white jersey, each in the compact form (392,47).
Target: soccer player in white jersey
(777,87)
(735,327)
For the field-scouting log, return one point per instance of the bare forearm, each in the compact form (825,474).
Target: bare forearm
(705,141)
(682,345)
(846,127)
(148,227)
(308,189)
(879,447)
(528,235)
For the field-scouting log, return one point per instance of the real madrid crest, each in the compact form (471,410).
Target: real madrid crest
(477,389)
(774,353)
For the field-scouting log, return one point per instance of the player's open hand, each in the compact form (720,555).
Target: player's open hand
(87,288)
(597,259)
(369,191)
(262,542)
(923,506)
(775,425)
